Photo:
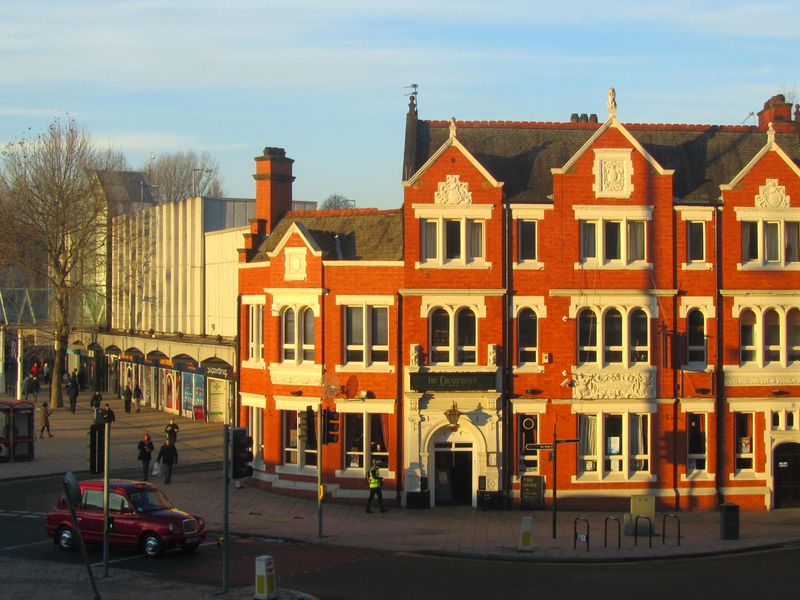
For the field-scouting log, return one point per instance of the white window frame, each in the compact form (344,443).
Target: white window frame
(764,219)
(299,346)
(469,218)
(620,465)
(255,334)
(692,458)
(527,457)
(452,348)
(740,452)
(600,217)
(366,409)
(520,347)
(759,346)
(694,349)
(301,451)
(600,348)
(367,347)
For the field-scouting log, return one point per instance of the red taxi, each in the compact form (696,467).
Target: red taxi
(140,516)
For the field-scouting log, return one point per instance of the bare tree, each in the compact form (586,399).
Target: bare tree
(337,202)
(47,203)
(184,175)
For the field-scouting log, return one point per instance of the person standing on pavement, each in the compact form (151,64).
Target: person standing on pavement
(145,448)
(108,414)
(72,392)
(168,456)
(375,482)
(172,431)
(95,400)
(127,396)
(137,396)
(45,413)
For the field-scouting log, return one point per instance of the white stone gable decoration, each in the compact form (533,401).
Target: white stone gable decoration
(295,264)
(612,176)
(772,195)
(453,191)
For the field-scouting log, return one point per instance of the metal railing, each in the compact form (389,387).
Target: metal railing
(636,529)
(605,532)
(582,537)
(671,516)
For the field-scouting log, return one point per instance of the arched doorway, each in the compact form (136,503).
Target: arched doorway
(786,474)
(452,455)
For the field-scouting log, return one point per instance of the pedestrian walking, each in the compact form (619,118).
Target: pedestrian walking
(108,414)
(44,413)
(72,392)
(375,482)
(95,400)
(167,457)
(172,431)
(137,396)
(35,369)
(46,373)
(127,396)
(145,448)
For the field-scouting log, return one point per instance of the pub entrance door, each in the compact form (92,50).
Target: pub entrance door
(787,475)
(453,473)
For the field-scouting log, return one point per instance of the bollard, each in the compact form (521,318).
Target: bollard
(266,580)
(526,535)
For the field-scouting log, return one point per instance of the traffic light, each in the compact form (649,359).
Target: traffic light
(241,453)
(97,434)
(330,426)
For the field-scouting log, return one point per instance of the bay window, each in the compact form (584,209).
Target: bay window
(614,444)
(625,337)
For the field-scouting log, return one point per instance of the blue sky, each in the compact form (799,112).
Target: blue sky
(326,79)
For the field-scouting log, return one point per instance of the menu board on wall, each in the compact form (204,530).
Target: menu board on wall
(216,399)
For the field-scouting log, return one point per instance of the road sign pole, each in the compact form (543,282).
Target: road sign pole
(555,479)
(319,469)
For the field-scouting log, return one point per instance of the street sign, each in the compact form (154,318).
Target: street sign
(539,446)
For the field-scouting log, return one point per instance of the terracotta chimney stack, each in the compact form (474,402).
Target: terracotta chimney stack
(273,186)
(778,112)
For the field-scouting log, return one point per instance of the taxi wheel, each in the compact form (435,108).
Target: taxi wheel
(65,538)
(152,546)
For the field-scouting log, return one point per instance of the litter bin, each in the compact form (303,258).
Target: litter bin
(729,521)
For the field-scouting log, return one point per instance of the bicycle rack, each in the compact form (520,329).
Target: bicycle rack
(636,529)
(575,533)
(605,532)
(664,527)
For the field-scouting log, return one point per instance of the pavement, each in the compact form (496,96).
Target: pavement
(451,531)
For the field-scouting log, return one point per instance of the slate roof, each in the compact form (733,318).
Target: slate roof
(363,234)
(522,154)
(124,188)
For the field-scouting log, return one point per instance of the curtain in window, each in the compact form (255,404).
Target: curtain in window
(635,240)
(587,432)
(308,334)
(288,334)
(792,242)
(429,239)
(588,241)
(749,241)
(475,239)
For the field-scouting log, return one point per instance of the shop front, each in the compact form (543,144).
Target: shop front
(220,390)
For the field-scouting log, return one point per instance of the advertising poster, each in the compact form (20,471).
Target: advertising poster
(199,398)
(187,392)
(216,399)
(169,390)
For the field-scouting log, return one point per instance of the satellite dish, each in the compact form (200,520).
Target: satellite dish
(330,385)
(351,387)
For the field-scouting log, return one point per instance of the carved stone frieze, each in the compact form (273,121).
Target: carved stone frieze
(614,385)
(453,191)
(761,379)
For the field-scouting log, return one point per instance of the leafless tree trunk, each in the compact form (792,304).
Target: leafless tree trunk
(48,204)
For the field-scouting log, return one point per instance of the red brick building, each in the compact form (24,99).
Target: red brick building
(630,286)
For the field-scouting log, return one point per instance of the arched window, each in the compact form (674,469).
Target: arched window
(612,333)
(772,337)
(528,336)
(440,336)
(587,336)
(793,335)
(747,336)
(639,346)
(308,335)
(466,336)
(289,338)
(696,337)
